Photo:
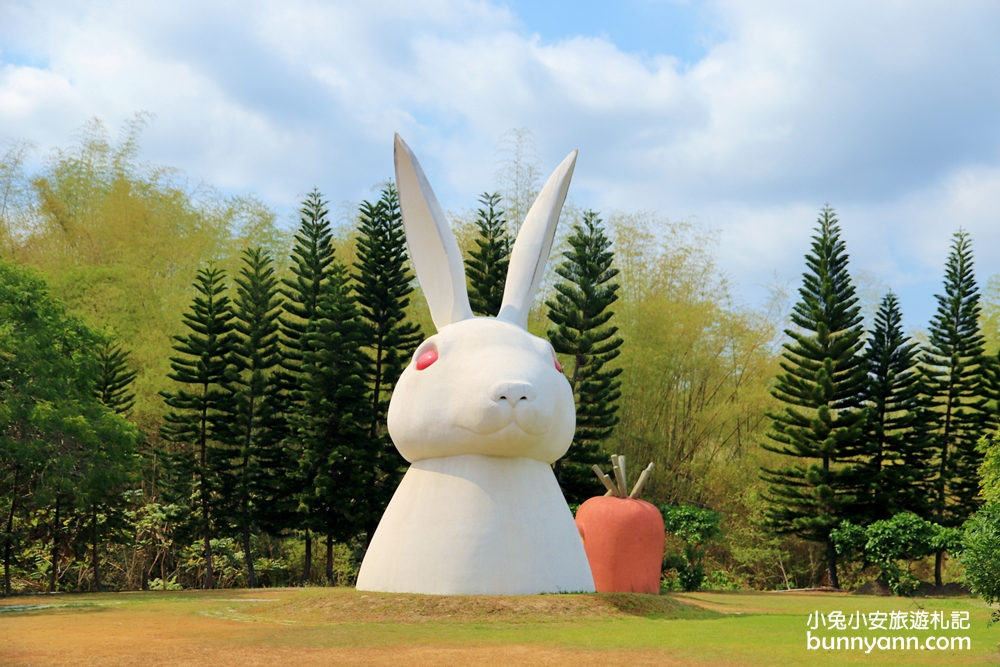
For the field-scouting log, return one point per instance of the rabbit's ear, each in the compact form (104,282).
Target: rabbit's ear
(432,244)
(534,241)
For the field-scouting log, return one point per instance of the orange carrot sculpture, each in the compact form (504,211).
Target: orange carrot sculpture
(622,535)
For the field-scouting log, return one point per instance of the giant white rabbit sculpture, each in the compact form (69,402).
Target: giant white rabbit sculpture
(481,412)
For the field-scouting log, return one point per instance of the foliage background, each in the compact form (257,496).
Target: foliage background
(119,241)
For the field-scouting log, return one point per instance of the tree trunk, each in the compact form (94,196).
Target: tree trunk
(205,504)
(209,575)
(329,559)
(152,482)
(942,499)
(307,563)
(9,538)
(251,573)
(245,504)
(55,549)
(209,572)
(97,553)
(372,434)
(376,393)
(831,559)
(6,569)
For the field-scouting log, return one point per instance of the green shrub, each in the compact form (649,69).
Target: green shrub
(980,554)
(694,526)
(169,585)
(893,544)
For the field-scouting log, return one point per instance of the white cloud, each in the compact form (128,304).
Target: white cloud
(885,109)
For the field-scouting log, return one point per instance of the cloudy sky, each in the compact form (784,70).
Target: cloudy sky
(745,116)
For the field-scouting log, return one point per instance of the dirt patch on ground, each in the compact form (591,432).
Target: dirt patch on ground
(879,588)
(948,590)
(348,605)
(723,606)
(655,606)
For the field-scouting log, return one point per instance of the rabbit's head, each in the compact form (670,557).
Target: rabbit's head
(481,385)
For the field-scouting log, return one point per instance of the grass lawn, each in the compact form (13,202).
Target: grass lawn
(323,626)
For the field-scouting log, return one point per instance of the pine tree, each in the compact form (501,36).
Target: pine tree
(198,403)
(823,386)
(312,256)
(897,426)
(311,259)
(955,368)
(581,314)
(331,424)
(255,430)
(382,283)
(487,266)
(114,377)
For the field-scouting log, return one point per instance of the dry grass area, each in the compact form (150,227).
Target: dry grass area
(155,639)
(297,626)
(348,605)
(317,626)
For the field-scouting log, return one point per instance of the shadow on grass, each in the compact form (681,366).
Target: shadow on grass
(659,607)
(34,609)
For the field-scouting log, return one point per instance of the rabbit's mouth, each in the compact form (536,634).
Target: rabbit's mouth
(524,419)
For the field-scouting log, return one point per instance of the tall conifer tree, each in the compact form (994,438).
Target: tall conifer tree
(112,389)
(956,370)
(312,256)
(254,436)
(114,378)
(382,284)
(332,422)
(487,266)
(198,403)
(897,426)
(581,314)
(823,386)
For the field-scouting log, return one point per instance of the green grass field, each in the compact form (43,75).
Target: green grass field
(322,626)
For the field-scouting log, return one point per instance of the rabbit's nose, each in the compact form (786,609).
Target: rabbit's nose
(513,392)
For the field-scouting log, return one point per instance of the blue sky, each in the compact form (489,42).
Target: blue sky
(683,30)
(746,116)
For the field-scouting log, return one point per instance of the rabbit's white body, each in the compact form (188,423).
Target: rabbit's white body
(477,525)
(481,413)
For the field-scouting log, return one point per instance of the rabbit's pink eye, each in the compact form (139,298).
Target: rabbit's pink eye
(558,365)
(426,359)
